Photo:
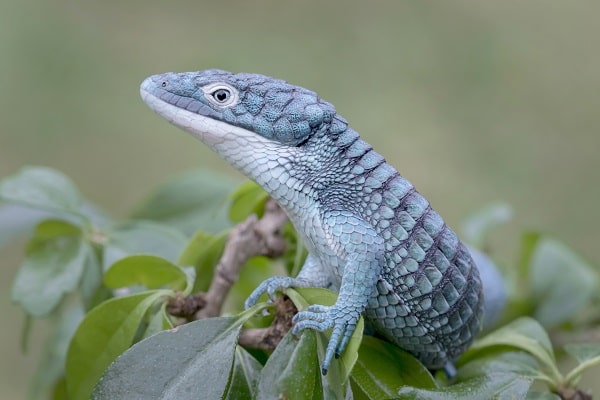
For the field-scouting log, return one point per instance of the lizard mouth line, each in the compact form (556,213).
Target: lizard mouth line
(242,148)
(209,130)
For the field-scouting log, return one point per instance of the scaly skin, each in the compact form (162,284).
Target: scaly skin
(371,236)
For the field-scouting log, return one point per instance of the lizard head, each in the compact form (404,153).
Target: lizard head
(271,131)
(285,114)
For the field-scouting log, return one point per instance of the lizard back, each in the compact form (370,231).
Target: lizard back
(429,299)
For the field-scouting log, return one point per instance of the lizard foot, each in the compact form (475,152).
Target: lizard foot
(269,286)
(320,318)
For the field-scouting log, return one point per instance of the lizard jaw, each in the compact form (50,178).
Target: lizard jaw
(252,154)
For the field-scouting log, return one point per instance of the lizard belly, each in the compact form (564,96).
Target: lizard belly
(309,225)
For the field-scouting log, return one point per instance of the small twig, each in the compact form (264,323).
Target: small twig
(253,237)
(567,393)
(186,307)
(268,338)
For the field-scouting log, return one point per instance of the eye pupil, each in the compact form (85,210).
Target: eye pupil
(221,95)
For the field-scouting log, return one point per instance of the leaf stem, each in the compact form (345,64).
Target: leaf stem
(578,370)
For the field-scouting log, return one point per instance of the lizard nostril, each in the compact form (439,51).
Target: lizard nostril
(163,84)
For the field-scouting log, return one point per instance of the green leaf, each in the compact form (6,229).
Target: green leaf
(497,385)
(562,282)
(190,276)
(520,299)
(97,216)
(383,369)
(193,361)
(105,332)
(588,356)
(55,261)
(158,322)
(499,375)
(190,201)
(248,199)
(26,333)
(150,271)
(583,352)
(304,297)
(51,367)
(500,360)
(142,237)
(203,252)
(50,229)
(525,334)
(92,291)
(535,395)
(477,227)
(59,392)
(292,371)
(18,221)
(41,188)
(245,376)
(253,273)
(529,242)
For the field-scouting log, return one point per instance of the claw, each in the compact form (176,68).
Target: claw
(320,318)
(269,286)
(331,346)
(349,331)
(450,370)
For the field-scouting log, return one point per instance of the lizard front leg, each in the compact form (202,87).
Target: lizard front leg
(312,274)
(361,248)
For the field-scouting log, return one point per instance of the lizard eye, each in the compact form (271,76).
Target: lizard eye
(221,94)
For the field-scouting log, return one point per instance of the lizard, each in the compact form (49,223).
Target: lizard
(371,236)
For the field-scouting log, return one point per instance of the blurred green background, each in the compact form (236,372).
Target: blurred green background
(472,101)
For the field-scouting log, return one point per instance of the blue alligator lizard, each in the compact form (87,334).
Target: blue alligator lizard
(370,235)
